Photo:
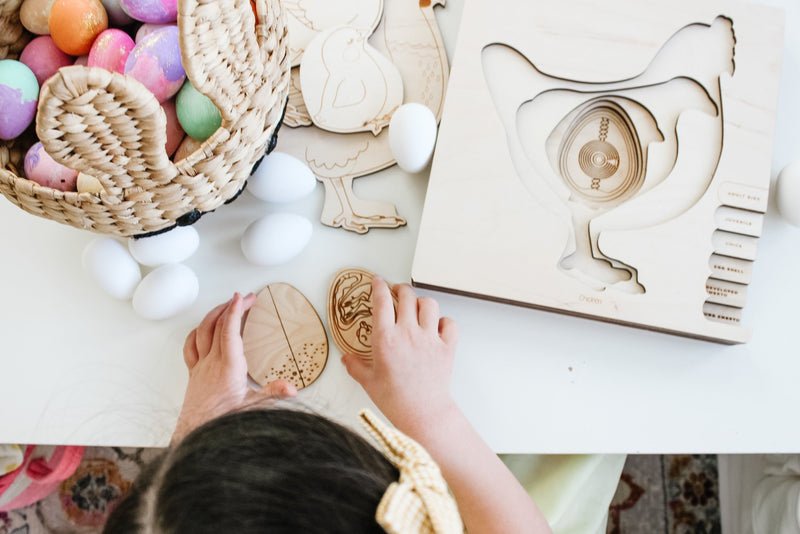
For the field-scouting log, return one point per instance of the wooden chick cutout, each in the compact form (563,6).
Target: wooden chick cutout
(355,62)
(284,338)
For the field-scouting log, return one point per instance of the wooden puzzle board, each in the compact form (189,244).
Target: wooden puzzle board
(498,224)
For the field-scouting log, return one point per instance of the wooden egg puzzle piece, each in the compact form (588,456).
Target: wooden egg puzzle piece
(350,311)
(284,338)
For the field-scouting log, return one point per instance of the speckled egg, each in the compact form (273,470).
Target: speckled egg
(116,15)
(199,116)
(44,58)
(45,171)
(35,15)
(158,11)
(110,50)
(175,133)
(19,93)
(156,62)
(74,24)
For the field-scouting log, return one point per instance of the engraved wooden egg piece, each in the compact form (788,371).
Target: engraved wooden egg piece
(284,337)
(350,311)
(600,157)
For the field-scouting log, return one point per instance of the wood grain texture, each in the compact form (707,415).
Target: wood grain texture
(284,338)
(586,151)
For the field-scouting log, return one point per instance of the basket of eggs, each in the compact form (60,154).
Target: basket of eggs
(129,117)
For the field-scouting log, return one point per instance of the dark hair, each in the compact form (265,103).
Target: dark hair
(263,470)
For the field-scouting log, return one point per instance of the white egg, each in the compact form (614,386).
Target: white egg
(173,246)
(276,238)
(787,191)
(112,267)
(412,136)
(281,178)
(166,291)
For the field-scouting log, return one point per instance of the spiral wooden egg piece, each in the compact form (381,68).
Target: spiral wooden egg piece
(284,338)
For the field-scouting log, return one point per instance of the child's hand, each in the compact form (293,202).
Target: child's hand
(214,354)
(408,377)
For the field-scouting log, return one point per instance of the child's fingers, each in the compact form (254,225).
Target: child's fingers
(357,367)
(428,313)
(205,331)
(231,326)
(448,330)
(406,304)
(216,343)
(382,306)
(190,356)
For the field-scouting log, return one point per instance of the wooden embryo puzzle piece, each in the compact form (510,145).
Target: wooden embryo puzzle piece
(350,311)
(351,77)
(284,338)
(600,163)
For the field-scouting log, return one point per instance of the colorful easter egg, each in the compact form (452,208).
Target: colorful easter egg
(158,11)
(156,62)
(19,93)
(175,133)
(74,24)
(35,16)
(146,29)
(45,171)
(116,15)
(188,146)
(44,58)
(110,50)
(197,113)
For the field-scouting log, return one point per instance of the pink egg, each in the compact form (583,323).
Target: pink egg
(111,50)
(175,133)
(44,58)
(82,60)
(156,62)
(146,29)
(158,11)
(45,171)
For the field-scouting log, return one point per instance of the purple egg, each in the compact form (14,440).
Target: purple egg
(19,94)
(158,11)
(44,58)
(156,63)
(45,171)
(110,50)
(146,29)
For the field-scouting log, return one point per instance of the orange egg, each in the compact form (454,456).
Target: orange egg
(75,23)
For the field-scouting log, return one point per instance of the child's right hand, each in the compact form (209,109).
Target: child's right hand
(408,377)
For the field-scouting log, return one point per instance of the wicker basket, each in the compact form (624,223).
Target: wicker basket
(111,127)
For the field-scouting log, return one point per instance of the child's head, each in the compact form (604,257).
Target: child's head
(267,470)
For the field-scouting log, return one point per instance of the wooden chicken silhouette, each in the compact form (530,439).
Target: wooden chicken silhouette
(591,152)
(354,62)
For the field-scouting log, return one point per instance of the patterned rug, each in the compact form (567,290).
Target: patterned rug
(671,494)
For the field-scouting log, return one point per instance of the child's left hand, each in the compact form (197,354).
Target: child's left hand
(214,354)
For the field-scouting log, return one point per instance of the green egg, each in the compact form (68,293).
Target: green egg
(199,117)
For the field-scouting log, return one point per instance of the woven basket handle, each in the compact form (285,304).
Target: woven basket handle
(107,125)
(221,52)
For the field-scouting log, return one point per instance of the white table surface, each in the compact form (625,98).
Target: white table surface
(77,367)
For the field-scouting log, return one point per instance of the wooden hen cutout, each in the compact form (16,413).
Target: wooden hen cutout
(609,165)
(284,338)
(352,75)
